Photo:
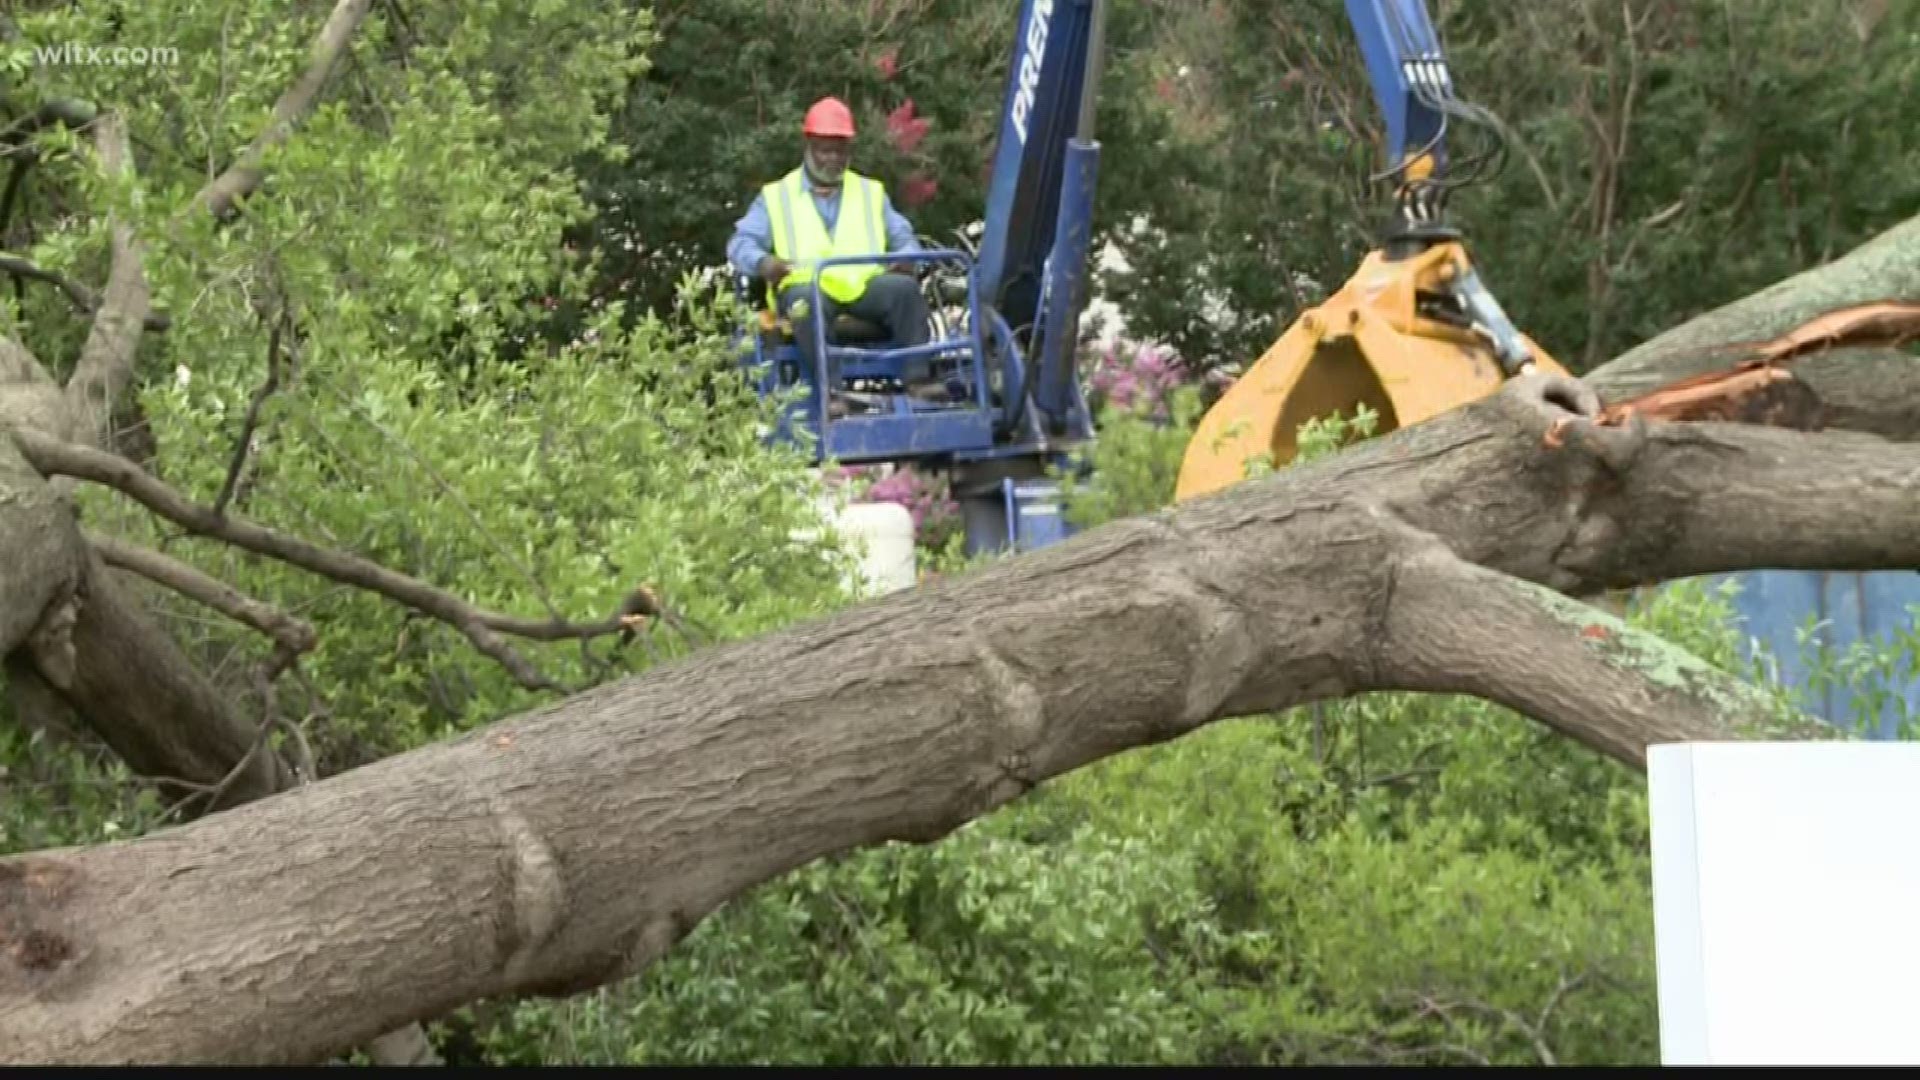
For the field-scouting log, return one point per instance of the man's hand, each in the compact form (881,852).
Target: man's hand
(774,269)
(908,268)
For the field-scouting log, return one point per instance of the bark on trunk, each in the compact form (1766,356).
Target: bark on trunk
(167,722)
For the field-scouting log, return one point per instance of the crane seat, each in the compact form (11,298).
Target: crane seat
(843,330)
(851,330)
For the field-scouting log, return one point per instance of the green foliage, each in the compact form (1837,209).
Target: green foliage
(59,792)
(395,256)
(1133,466)
(556,488)
(1868,673)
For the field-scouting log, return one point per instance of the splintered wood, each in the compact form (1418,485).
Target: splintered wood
(1758,390)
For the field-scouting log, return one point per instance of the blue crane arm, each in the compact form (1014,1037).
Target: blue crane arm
(1032,265)
(1409,76)
(1415,90)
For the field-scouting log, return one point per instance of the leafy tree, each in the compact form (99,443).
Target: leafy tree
(424,199)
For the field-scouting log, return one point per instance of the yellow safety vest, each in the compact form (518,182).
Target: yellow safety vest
(800,237)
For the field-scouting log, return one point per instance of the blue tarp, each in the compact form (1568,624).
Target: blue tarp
(1775,605)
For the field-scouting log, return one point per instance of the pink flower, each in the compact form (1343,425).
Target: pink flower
(904,129)
(932,509)
(1138,380)
(888,63)
(918,190)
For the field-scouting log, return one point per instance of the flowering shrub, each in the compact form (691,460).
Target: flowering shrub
(1134,377)
(1126,381)
(928,499)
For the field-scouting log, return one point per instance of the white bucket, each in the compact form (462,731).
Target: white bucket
(881,534)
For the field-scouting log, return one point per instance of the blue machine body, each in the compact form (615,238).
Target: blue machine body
(1013,408)
(1408,73)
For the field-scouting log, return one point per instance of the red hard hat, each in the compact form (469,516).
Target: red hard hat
(829,116)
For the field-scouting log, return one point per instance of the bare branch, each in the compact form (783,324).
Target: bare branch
(1444,1007)
(304,769)
(1567,985)
(83,298)
(16,181)
(294,634)
(243,446)
(482,628)
(223,194)
(208,796)
(107,358)
(70,112)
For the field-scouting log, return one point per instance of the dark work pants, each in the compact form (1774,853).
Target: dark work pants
(892,301)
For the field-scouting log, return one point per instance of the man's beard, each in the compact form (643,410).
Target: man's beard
(824,175)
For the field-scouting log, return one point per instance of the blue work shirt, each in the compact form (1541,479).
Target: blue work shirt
(753,233)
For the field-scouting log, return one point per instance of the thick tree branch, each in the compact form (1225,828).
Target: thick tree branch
(569,847)
(1867,390)
(150,704)
(1860,388)
(60,609)
(292,634)
(119,672)
(107,359)
(223,193)
(1454,627)
(38,535)
(126,678)
(482,628)
(130,683)
(1650,503)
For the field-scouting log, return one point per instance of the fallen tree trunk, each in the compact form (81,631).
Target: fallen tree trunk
(568,848)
